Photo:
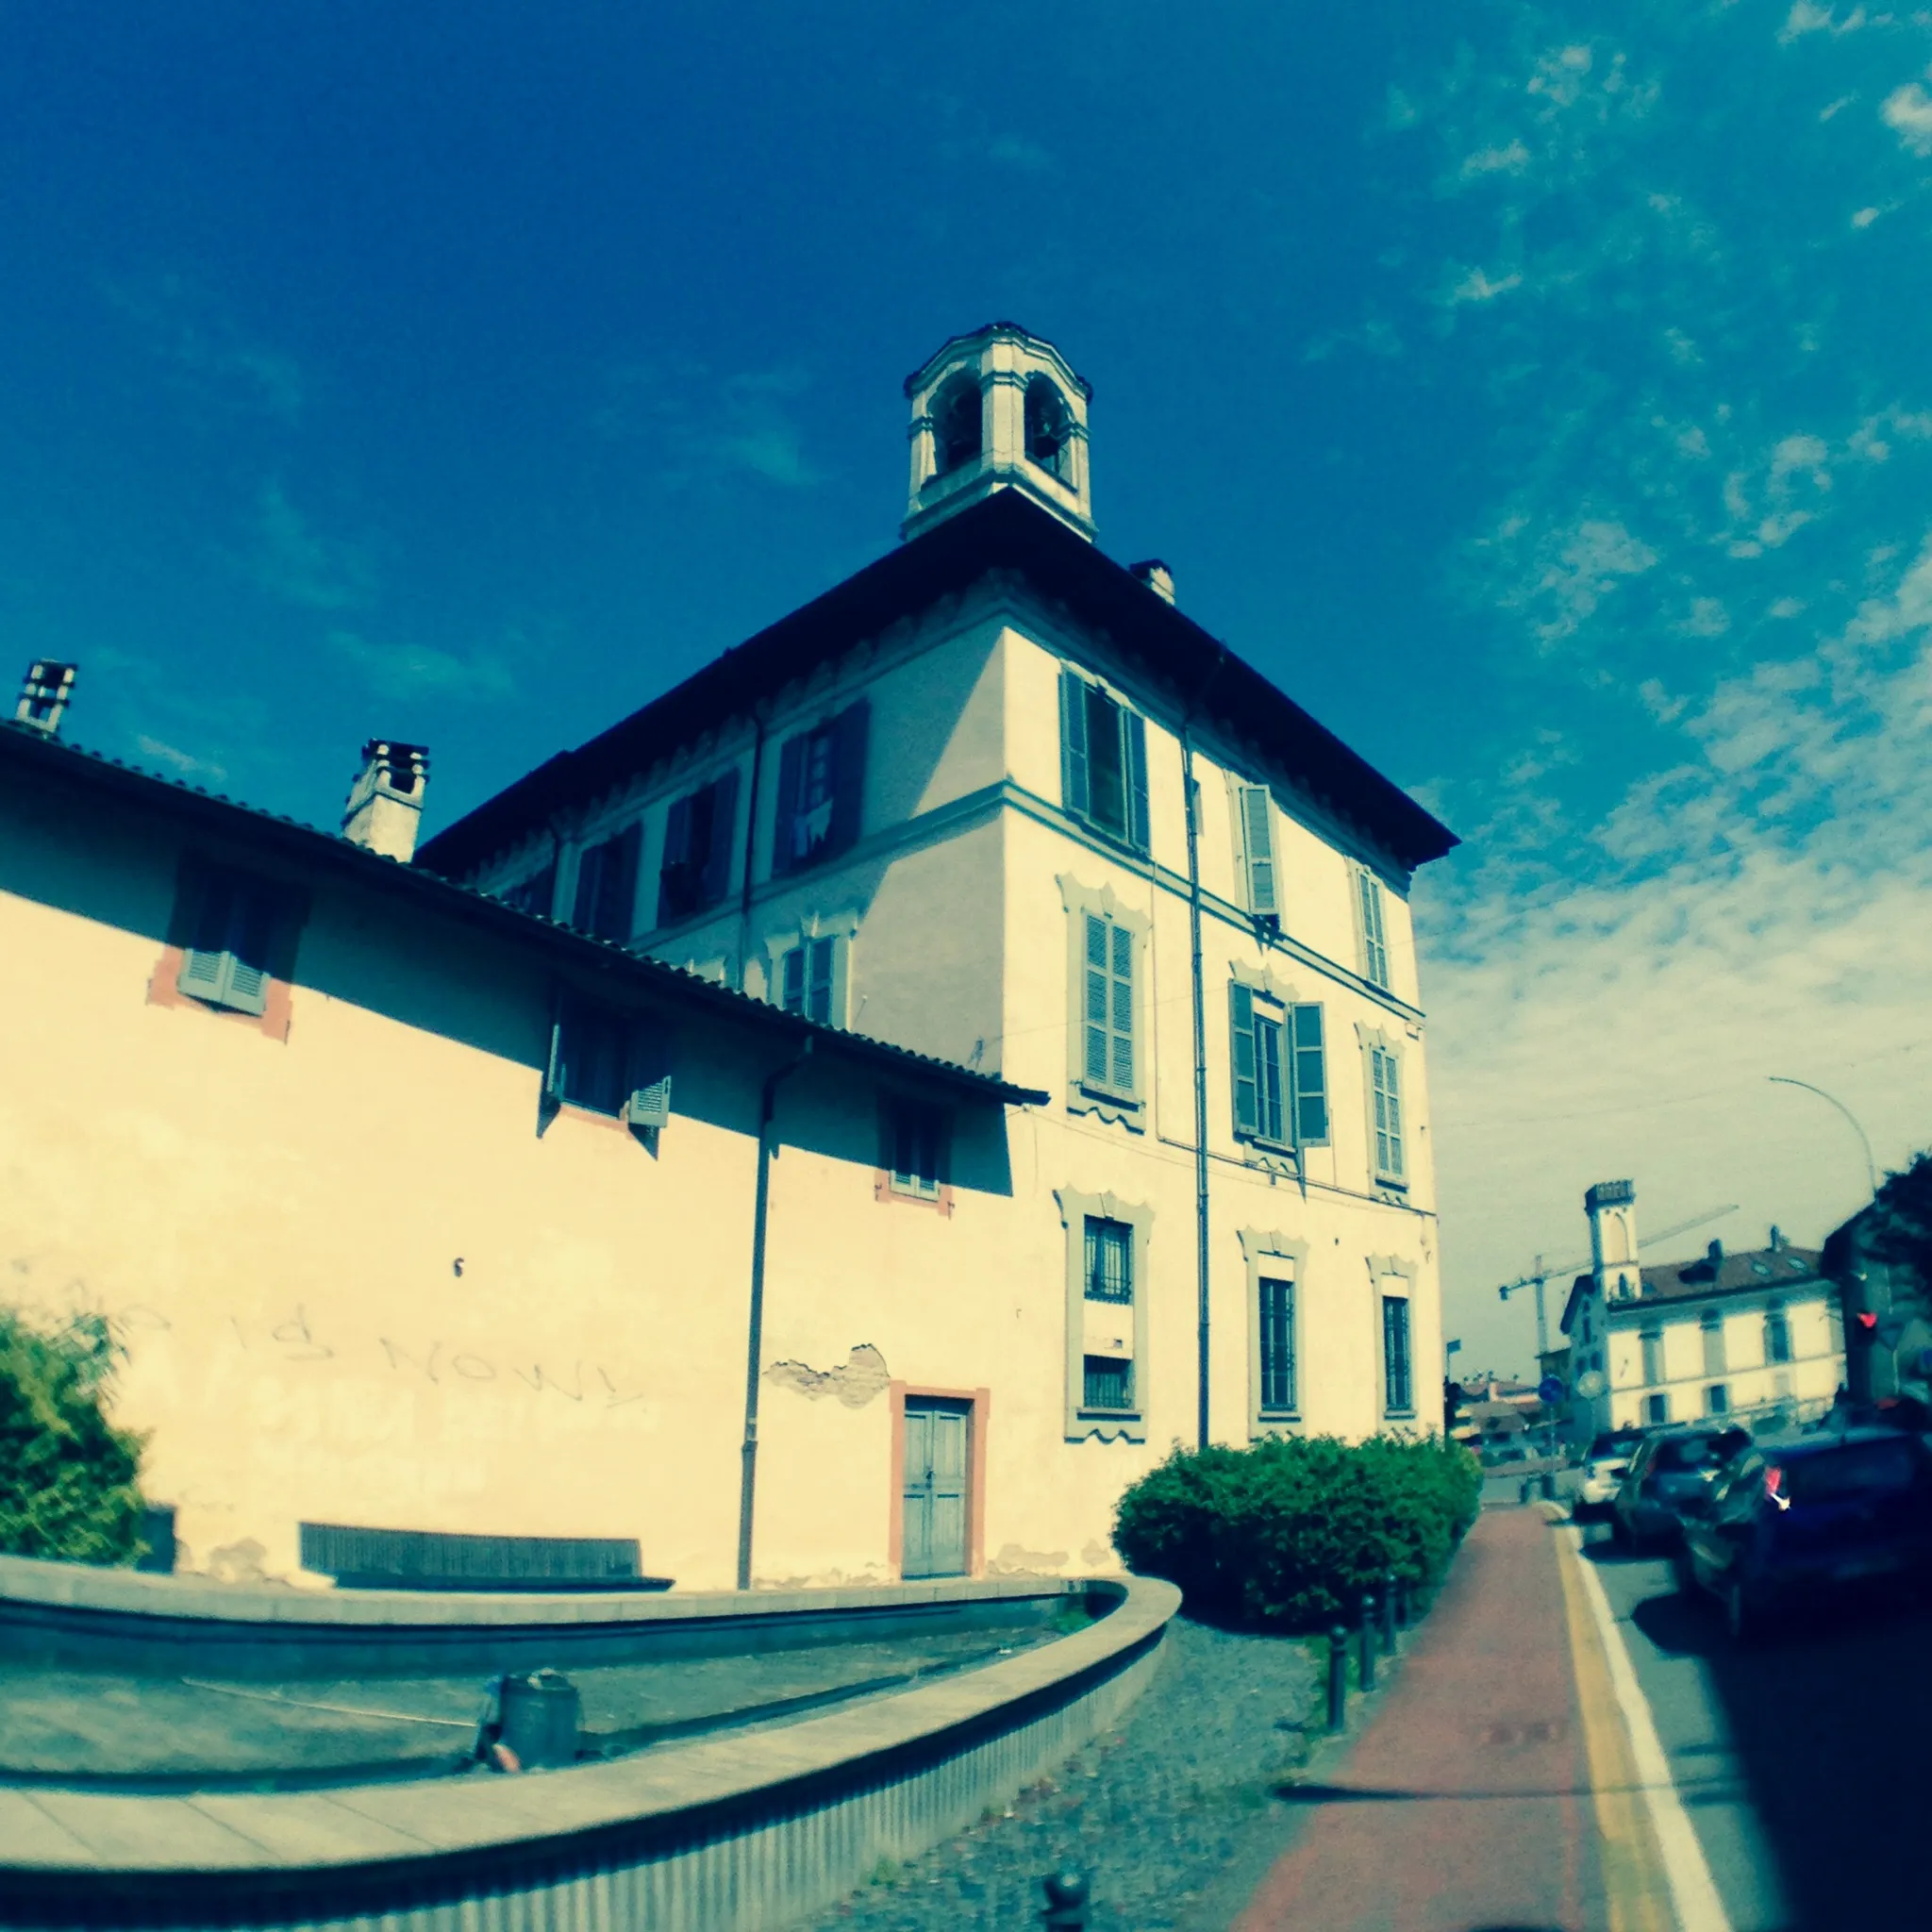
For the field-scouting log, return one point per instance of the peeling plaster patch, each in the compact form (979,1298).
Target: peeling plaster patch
(1014,1562)
(863,1379)
(1098,1557)
(874,1577)
(237,1562)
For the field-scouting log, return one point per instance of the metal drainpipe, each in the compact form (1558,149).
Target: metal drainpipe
(1201,1256)
(755,1341)
(751,833)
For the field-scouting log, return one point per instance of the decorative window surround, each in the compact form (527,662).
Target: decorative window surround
(841,928)
(1280,1257)
(1370,927)
(1125,1105)
(1389,1178)
(1109,1425)
(1389,1275)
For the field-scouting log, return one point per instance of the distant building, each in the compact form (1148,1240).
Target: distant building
(1889,1313)
(1755,1335)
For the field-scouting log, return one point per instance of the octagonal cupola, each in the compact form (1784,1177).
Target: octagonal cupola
(998,410)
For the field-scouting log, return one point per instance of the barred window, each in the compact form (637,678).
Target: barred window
(1109,1260)
(1278,1345)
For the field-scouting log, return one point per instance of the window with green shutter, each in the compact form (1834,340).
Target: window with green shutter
(1107,1007)
(1375,937)
(607,894)
(1102,762)
(1276,1335)
(1397,1389)
(808,976)
(1257,846)
(225,960)
(1385,1080)
(1280,1068)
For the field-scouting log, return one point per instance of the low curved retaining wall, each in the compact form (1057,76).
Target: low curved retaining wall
(753,1829)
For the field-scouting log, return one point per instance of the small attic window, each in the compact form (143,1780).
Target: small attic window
(956,424)
(1048,425)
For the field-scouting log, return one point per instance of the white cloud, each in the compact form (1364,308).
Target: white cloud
(1758,908)
(191,327)
(1806,18)
(1864,217)
(1907,111)
(295,561)
(1511,159)
(711,427)
(1474,285)
(185,763)
(1015,151)
(1568,574)
(407,670)
(1707,618)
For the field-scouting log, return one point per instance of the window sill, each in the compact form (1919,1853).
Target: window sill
(1119,840)
(884,1192)
(1284,1418)
(1398,1415)
(1108,1415)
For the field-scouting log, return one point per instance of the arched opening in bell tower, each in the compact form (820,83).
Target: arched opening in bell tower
(1048,426)
(957,425)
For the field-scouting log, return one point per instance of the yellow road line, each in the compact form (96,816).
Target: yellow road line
(1636,1888)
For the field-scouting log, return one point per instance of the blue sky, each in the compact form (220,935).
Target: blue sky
(1538,395)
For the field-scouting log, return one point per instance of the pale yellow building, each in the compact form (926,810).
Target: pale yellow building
(1756,1335)
(939,823)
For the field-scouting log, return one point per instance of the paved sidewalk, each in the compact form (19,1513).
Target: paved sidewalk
(1465,1804)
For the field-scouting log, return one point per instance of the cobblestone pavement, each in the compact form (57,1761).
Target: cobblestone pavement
(1156,1811)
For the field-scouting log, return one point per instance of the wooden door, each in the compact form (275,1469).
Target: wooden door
(935,1488)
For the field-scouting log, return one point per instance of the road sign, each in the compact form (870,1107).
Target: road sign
(1550,1389)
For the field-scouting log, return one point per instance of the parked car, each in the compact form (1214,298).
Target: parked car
(1604,1464)
(1493,1457)
(1670,1467)
(1811,1518)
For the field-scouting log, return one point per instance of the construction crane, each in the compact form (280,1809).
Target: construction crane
(1540,1274)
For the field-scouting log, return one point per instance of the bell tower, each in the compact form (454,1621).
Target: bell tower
(998,410)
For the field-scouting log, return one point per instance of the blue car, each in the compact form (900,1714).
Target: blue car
(1808,1519)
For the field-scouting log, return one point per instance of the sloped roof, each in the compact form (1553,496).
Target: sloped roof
(1005,531)
(21,745)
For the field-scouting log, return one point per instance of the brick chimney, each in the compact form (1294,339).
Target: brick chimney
(45,692)
(385,807)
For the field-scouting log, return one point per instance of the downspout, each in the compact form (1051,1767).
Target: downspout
(751,833)
(1201,1256)
(1202,1306)
(755,1341)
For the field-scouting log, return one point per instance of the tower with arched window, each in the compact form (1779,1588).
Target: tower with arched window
(998,410)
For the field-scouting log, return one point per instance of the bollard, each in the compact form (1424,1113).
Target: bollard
(1522,1490)
(1337,1678)
(1549,1486)
(1367,1671)
(1388,1614)
(1402,1602)
(1066,1901)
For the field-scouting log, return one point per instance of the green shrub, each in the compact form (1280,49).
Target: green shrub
(1288,1533)
(69,1479)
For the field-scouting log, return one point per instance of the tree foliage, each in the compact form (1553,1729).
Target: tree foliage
(69,1479)
(1289,1532)
(1902,1220)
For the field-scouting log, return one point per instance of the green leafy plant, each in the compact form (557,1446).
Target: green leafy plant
(69,1479)
(1289,1532)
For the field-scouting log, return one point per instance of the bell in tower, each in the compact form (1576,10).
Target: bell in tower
(998,410)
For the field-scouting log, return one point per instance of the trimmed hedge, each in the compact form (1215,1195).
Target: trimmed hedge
(69,1479)
(1289,1532)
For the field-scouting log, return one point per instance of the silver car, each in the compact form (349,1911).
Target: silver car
(1669,1467)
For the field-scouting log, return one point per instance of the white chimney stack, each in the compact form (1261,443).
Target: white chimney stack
(385,807)
(45,692)
(1156,575)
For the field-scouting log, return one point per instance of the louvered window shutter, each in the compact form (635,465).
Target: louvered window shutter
(1135,727)
(1073,795)
(583,914)
(1393,1068)
(819,993)
(1095,1058)
(673,871)
(791,980)
(1311,1076)
(1373,947)
(617,889)
(715,880)
(848,776)
(785,831)
(1257,831)
(1240,1030)
(248,939)
(1122,1010)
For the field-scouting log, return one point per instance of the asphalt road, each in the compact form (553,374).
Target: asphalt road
(1801,1760)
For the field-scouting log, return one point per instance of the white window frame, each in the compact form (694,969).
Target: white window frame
(1104,1100)
(1261,1149)
(1394,1179)
(1271,1254)
(1108,1425)
(1136,813)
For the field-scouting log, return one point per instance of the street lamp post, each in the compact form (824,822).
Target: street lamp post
(1851,1118)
